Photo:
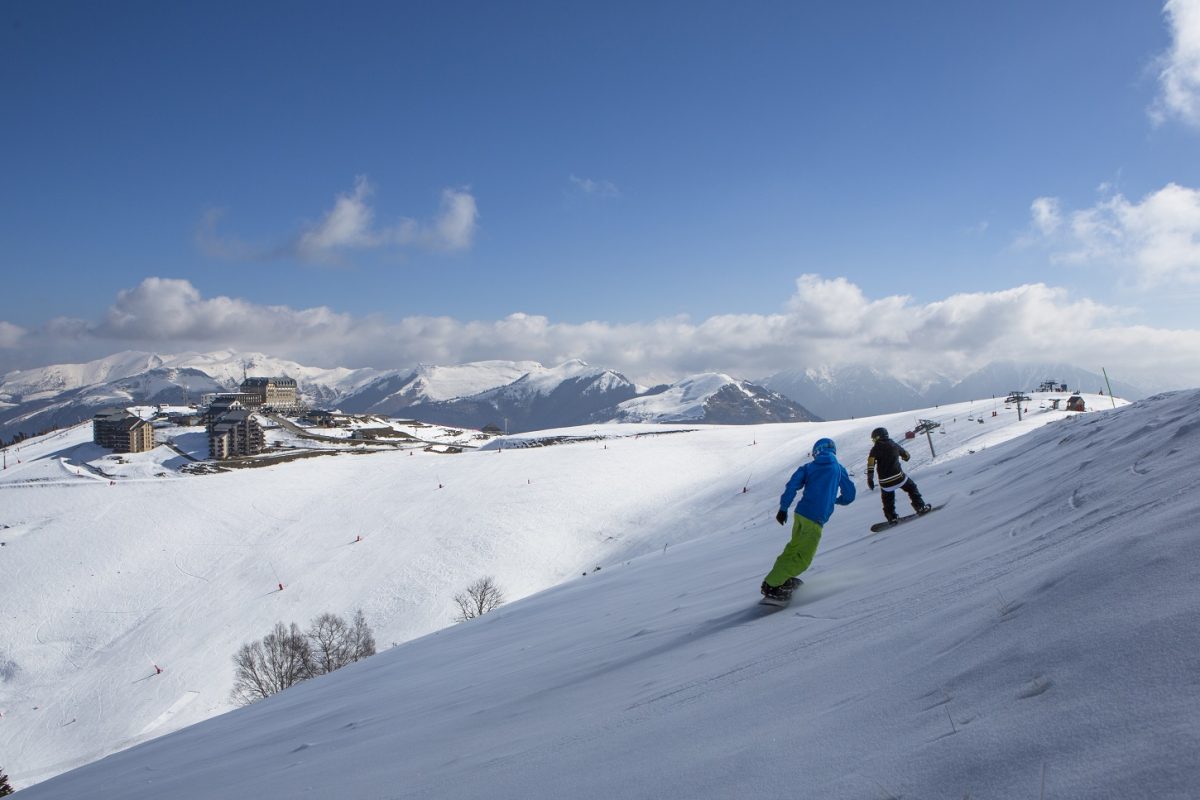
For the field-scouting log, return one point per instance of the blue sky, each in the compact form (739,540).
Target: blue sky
(639,181)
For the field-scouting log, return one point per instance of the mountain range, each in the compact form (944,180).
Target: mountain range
(59,395)
(514,396)
(858,391)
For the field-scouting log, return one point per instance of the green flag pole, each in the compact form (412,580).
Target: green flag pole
(1109,385)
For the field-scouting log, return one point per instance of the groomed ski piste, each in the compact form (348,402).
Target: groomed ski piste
(1035,638)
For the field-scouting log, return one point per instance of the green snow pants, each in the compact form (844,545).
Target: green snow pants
(798,553)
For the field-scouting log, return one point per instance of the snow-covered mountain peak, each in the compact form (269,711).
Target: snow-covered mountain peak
(32,384)
(545,380)
(712,397)
(435,382)
(697,388)
(229,368)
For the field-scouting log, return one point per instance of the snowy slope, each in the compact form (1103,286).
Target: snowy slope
(683,400)
(978,653)
(103,581)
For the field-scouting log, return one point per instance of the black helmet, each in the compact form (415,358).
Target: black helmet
(879,433)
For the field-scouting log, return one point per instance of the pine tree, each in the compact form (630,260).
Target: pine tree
(5,787)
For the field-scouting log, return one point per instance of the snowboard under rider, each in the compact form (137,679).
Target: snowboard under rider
(825,483)
(885,457)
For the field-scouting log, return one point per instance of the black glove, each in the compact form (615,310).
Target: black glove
(781,517)
(870,484)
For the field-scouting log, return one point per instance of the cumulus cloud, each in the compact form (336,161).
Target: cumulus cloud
(1156,238)
(826,321)
(600,188)
(349,226)
(168,309)
(1179,66)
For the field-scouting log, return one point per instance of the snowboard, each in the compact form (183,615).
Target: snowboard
(769,601)
(883,526)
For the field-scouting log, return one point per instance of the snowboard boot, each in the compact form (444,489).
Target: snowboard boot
(925,509)
(775,592)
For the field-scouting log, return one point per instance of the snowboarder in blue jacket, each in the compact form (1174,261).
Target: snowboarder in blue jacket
(825,483)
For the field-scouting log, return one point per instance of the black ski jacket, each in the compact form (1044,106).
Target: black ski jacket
(885,456)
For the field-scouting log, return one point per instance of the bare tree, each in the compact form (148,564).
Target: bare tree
(480,597)
(286,656)
(362,641)
(283,658)
(330,641)
(335,643)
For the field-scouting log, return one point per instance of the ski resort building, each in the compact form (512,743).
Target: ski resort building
(278,394)
(221,404)
(187,419)
(235,433)
(122,432)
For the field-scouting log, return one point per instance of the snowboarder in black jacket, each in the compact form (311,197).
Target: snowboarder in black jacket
(885,456)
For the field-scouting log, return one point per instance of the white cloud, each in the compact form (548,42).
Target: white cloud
(1157,238)
(1047,216)
(1179,74)
(350,226)
(600,188)
(454,228)
(10,335)
(826,321)
(346,225)
(167,309)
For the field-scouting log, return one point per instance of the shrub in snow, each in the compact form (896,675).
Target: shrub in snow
(480,597)
(5,787)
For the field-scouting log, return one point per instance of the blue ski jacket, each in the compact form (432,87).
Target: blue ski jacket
(821,479)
